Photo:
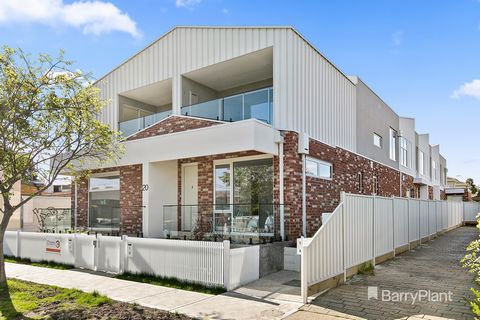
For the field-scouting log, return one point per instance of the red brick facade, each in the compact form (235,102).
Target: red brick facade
(323,195)
(173,124)
(130,199)
(352,173)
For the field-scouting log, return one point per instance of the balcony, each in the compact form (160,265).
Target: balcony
(132,126)
(256,104)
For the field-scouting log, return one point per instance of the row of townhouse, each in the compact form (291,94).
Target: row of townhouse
(245,132)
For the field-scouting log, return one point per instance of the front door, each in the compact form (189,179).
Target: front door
(189,197)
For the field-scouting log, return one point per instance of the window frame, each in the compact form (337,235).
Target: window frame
(393,135)
(319,162)
(380,140)
(421,162)
(404,159)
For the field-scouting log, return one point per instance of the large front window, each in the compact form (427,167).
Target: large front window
(104,202)
(246,205)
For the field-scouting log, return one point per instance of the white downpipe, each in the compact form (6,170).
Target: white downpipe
(75,210)
(280,191)
(304,197)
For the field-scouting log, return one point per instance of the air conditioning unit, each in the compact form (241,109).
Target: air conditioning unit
(303,143)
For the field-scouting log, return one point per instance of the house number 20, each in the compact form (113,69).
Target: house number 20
(144,187)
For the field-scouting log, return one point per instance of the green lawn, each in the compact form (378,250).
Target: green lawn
(45,264)
(171,283)
(27,297)
(36,301)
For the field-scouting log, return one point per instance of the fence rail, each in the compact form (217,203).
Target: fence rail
(205,262)
(363,228)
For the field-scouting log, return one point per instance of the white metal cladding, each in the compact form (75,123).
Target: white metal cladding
(358,229)
(414,219)
(400,222)
(432,218)
(180,259)
(109,254)
(471,209)
(383,224)
(244,265)
(310,94)
(322,256)
(423,218)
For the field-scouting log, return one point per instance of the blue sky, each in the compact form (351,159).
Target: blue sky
(421,57)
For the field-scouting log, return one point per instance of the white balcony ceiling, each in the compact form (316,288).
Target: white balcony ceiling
(156,94)
(252,67)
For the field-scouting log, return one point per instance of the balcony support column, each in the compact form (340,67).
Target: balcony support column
(176,94)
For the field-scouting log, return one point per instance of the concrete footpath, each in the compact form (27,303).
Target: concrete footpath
(434,266)
(267,298)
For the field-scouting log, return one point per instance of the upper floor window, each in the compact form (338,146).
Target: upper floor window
(421,162)
(318,169)
(377,140)
(393,144)
(404,152)
(434,170)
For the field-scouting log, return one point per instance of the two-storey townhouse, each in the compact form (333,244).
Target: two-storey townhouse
(243,132)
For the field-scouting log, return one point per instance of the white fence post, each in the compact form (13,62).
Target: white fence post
(123,254)
(408,224)
(18,245)
(393,224)
(373,230)
(226,264)
(342,203)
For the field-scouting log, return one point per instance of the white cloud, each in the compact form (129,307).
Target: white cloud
(94,17)
(187,3)
(225,11)
(471,89)
(397,38)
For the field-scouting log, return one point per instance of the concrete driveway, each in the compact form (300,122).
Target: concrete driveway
(433,266)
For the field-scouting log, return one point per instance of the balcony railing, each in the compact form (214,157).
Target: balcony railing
(131,126)
(206,221)
(256,104)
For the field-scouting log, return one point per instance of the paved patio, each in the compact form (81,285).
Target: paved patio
(432,266)
(267,298)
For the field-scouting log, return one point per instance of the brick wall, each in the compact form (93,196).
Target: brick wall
(173,124)
(323,195)
(407,184)
(130,199)
(443,195)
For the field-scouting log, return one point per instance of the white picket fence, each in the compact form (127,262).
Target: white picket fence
(363,228)
(208,263)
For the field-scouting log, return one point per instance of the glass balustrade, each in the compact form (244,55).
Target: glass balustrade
(256,104)
(131,126)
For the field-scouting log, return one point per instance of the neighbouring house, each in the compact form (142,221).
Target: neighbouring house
(457,190)
(48,211)
(248,133)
